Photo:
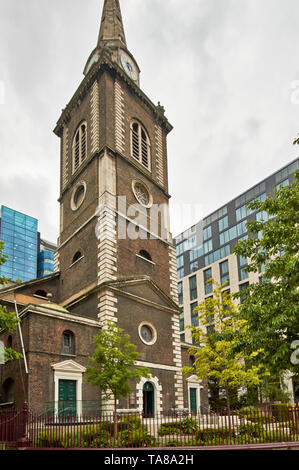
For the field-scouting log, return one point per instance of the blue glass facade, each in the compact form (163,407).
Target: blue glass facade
(45,263)
(19,234)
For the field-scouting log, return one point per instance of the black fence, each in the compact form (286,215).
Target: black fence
(271,424)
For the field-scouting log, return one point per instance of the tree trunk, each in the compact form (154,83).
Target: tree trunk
(115,419)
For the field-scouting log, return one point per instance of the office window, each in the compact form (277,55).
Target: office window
(182,322)
(196,253)
(223,223)
(193,287)
(207,233)
(181,273)
(180,293)
(180,249)
(180,261)
(224,272)
(190,243)
(208,285)
(207,246)
(241,288)
(217,255)
(194,315)
(233,232)
(194,266)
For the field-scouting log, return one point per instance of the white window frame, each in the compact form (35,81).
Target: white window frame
(137,145)
(77,146)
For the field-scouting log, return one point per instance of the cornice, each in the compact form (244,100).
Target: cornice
(106,63)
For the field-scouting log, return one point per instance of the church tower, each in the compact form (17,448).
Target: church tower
(115,253)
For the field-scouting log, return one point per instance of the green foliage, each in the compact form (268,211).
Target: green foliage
(50,439)
(218,436)
(8,320)
(183,427)
(113,364)
(280,412)
(215,339)
(271,308)
(136,437)
(251,429)
(255,415)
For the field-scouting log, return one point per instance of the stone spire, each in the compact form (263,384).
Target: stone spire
(111,30)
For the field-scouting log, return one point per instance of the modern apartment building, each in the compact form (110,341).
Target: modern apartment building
(29,256)
(204,251)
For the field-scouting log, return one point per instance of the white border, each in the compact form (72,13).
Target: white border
(154,331)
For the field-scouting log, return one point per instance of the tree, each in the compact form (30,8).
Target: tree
(215,337)
(113,365)
(271,307)
(8,320)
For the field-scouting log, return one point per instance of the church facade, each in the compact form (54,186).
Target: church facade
(115,259)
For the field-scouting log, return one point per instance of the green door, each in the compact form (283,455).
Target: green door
(67,397)
(148,399)
(193,400)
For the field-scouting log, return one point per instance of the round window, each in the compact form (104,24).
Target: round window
(147,333)
(142,194)
(78,195)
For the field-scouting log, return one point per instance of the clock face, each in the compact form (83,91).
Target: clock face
(129,66)
(92,61)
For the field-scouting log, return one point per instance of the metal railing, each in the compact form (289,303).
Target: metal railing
(105,430)
(72,408)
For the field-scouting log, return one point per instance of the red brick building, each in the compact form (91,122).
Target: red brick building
(115,258)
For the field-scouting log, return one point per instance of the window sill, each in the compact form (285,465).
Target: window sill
(75,262)
(145,259)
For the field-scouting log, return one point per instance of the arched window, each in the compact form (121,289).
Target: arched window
(68,342)
(8,389)
(41,293)
(77,256)
(140,144)
(145,255)
(79,146)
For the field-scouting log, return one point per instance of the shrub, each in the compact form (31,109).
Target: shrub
(169,428)
(280,412)
(102,441)
(174,443)
(136,437)
(218,436)
(250,429)
(255,415)
(50,439)
(129,422)
(186,426)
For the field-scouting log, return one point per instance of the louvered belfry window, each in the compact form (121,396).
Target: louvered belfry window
(140,145)
(79,146)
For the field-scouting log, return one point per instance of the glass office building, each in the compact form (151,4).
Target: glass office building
(45,263)
(19,234)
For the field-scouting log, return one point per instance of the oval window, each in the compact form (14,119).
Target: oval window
(78,195)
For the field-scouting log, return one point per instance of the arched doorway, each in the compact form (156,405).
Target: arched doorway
(148,399)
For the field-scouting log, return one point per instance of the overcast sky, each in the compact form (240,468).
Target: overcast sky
(226,71)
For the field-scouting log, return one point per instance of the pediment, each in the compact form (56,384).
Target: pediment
(68,366)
